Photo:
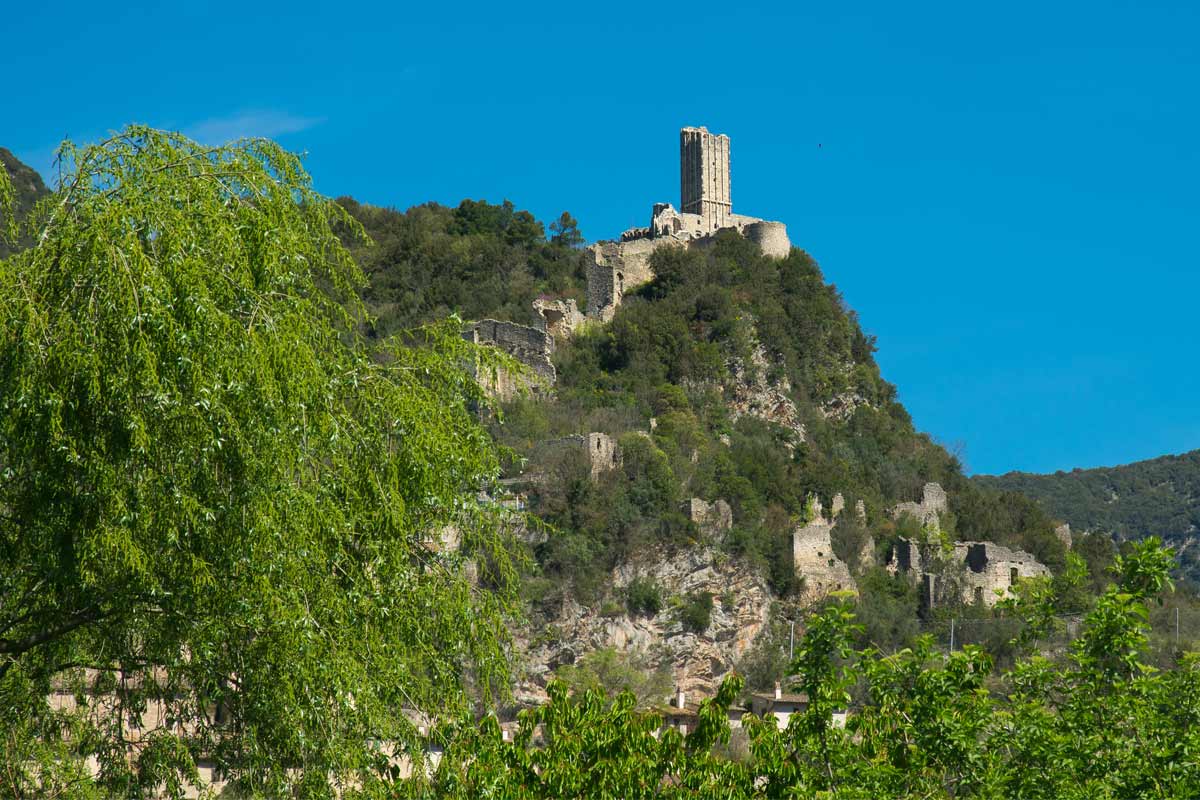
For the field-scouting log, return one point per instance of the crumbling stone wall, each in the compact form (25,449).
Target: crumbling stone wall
(992,570)
(933,503)
(1063,532)
(532,347)
(616,268)
(977,572)
(713,519)
(559,317)
(814,559)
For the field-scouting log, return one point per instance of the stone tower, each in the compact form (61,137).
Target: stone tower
(704,177)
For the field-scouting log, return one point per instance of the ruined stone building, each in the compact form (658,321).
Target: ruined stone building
(530,346)
(927,512)
(975,572)
(706,207)
(713,519)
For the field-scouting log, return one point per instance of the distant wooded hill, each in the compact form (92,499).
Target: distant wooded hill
(29,189)
(1158,497)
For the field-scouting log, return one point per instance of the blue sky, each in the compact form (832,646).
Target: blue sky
(1008,194)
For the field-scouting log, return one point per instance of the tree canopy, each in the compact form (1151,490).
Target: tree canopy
(217,503)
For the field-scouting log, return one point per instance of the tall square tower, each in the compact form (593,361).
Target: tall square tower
(704,176)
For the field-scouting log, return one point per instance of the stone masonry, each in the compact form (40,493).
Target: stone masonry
(559,318)
(978,572)
(530,346)
(933,503)
(814,560)
(713,519)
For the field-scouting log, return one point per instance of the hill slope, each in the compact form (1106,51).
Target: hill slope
(29,189)
(731,377)
(1158,497)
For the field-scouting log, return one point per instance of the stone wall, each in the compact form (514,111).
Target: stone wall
(771,238)
(558,317)
(530,346)
(713,519)
(933,503)
(814,560)
(616,268)
(977,572)
(991,570)
(603,453)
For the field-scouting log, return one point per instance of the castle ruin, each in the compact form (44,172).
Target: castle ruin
(705,207)
(532,347)
(813,558)
(976,572)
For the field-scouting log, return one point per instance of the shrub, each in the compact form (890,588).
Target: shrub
(696,612)
(643,596)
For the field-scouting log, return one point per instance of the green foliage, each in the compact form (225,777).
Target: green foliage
(566,231)
(477,260)
(215,494)
(643,597)
(695,612)
(615,672)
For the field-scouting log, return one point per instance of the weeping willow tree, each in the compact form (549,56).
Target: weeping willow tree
(224,517)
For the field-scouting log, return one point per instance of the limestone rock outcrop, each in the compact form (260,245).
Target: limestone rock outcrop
(698,661)
(751,393)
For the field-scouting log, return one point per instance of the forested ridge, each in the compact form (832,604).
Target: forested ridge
(1157,497)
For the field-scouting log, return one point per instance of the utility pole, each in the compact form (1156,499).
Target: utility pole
(1176,627)
(952,634)
(792,640)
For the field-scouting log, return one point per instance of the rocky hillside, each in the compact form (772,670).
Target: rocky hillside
(1158,497)
(29,188)
(732,380)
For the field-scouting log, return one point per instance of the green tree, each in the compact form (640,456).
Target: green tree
(566,231)
(215,496)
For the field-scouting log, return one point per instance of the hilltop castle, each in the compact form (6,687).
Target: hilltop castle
(706,207)
(619,266)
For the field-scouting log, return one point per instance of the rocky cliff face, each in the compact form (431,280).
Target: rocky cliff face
(697,661)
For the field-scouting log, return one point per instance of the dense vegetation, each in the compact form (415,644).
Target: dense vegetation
(477,260)
(679,351)
(1159,497)
(219,499)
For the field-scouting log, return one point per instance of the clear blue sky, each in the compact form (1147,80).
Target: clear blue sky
(1008,194)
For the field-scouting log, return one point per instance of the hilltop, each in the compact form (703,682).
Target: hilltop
(1158,497)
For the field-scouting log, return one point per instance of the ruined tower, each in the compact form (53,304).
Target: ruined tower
(704,177)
